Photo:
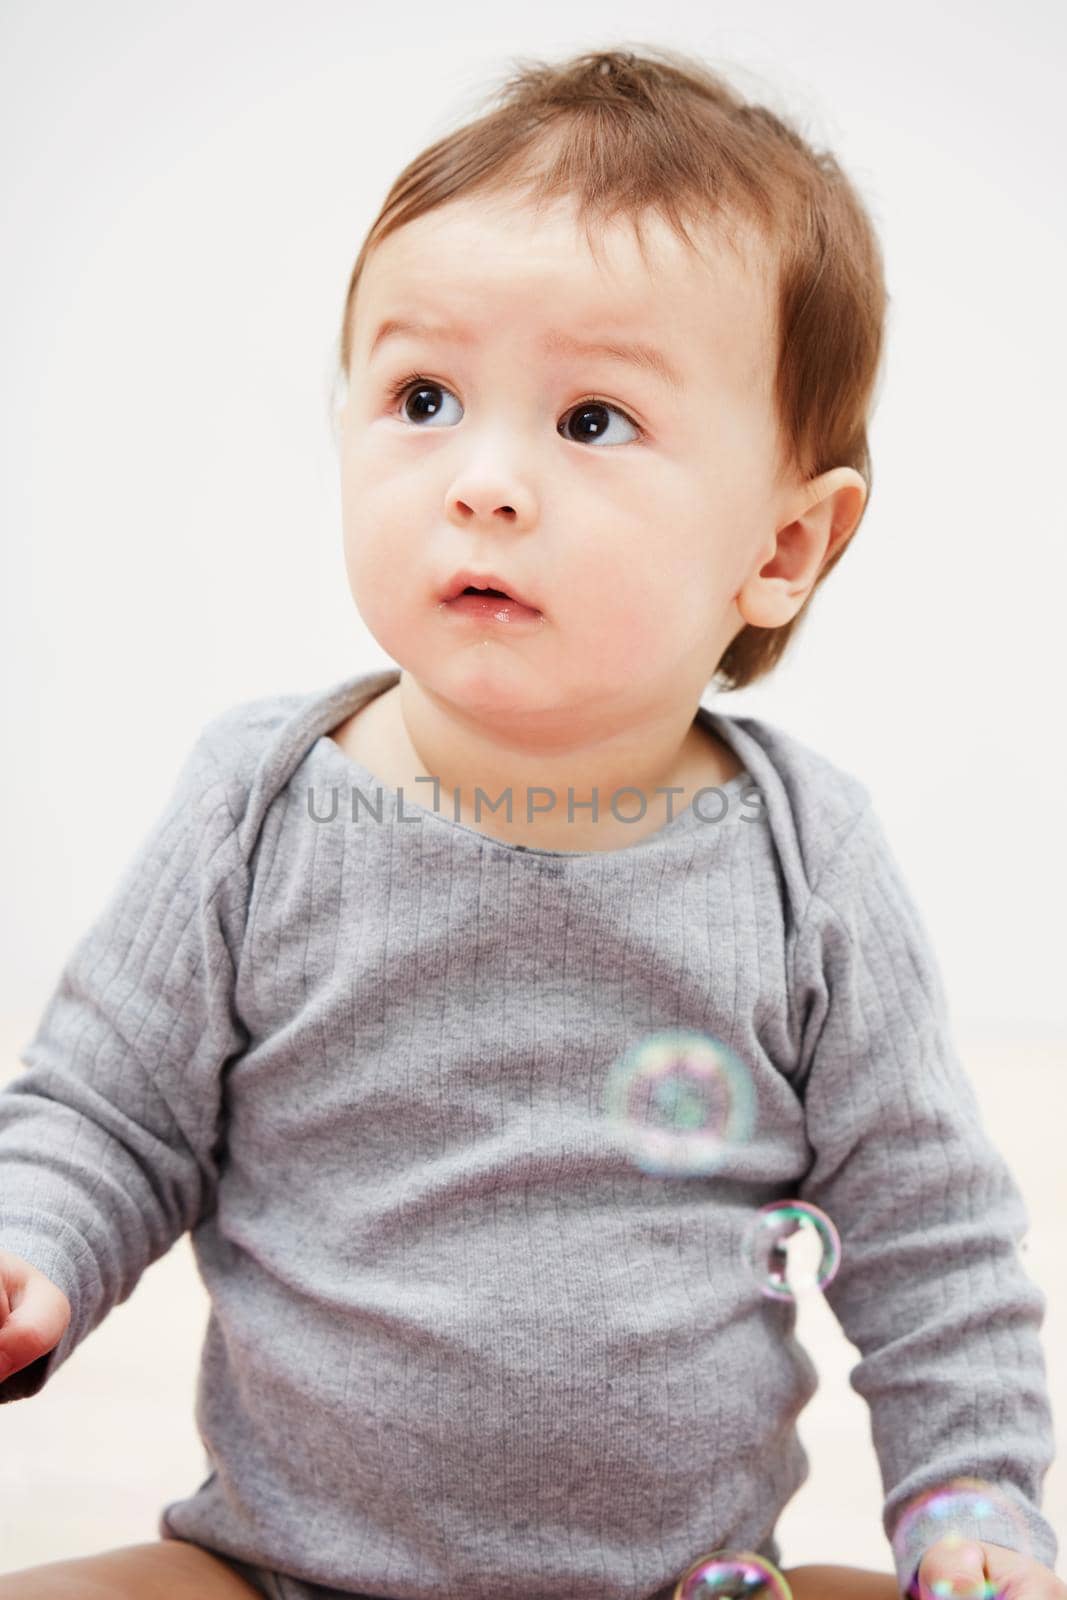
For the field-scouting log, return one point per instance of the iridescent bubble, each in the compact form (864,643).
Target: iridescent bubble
(726,1574)
(678,1100)
(812,1263)
(964,1509)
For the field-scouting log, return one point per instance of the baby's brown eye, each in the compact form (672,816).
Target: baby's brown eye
(593,421)
(414,397)
(421,402)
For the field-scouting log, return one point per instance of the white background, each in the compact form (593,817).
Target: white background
(185,189)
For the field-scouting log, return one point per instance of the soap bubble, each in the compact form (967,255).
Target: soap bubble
(962,1509)
(678,1100)
(819,1253)
(726,1574)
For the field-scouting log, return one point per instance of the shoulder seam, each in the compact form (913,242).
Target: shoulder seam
(815,890)
(221,780)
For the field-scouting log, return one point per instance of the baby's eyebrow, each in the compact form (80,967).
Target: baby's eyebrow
(633,352)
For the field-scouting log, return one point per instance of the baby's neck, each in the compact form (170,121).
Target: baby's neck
(377,736)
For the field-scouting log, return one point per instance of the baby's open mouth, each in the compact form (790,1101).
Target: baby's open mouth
(492,606)
(466,597)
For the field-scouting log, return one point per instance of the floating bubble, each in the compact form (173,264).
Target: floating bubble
(678,1100)
(731,1575)
(964,1509)
(819,1255)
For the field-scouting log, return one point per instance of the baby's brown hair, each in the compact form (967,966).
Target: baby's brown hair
(620,132)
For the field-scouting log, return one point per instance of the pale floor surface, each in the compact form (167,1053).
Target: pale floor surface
(88,1463)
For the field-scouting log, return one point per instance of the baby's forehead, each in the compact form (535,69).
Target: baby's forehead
(506,267)
(635,255)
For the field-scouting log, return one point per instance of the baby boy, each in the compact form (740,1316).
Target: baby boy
(352,1015)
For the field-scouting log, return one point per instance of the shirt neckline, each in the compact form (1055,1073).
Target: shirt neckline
(354,692)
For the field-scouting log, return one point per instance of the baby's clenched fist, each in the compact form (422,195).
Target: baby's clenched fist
(34,1314)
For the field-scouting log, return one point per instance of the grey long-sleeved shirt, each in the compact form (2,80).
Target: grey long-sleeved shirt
(460,1343)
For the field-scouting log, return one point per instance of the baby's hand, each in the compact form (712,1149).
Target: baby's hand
(33,1314)
(969,1567)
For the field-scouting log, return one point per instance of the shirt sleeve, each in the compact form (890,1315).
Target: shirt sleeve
(110,1136)
(930,1287)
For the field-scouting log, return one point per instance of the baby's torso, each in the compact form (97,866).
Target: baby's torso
(412,990)
(424,1182)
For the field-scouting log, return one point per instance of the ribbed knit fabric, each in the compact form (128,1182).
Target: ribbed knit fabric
(461,1346)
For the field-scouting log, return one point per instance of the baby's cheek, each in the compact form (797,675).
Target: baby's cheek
(372,572)
(644,613)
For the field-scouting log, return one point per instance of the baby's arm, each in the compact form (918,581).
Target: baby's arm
(930,1287)
(108,1139)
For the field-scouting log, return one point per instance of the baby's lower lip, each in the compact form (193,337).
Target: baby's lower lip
(489,608)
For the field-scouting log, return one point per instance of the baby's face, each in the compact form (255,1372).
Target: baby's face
(627,505)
